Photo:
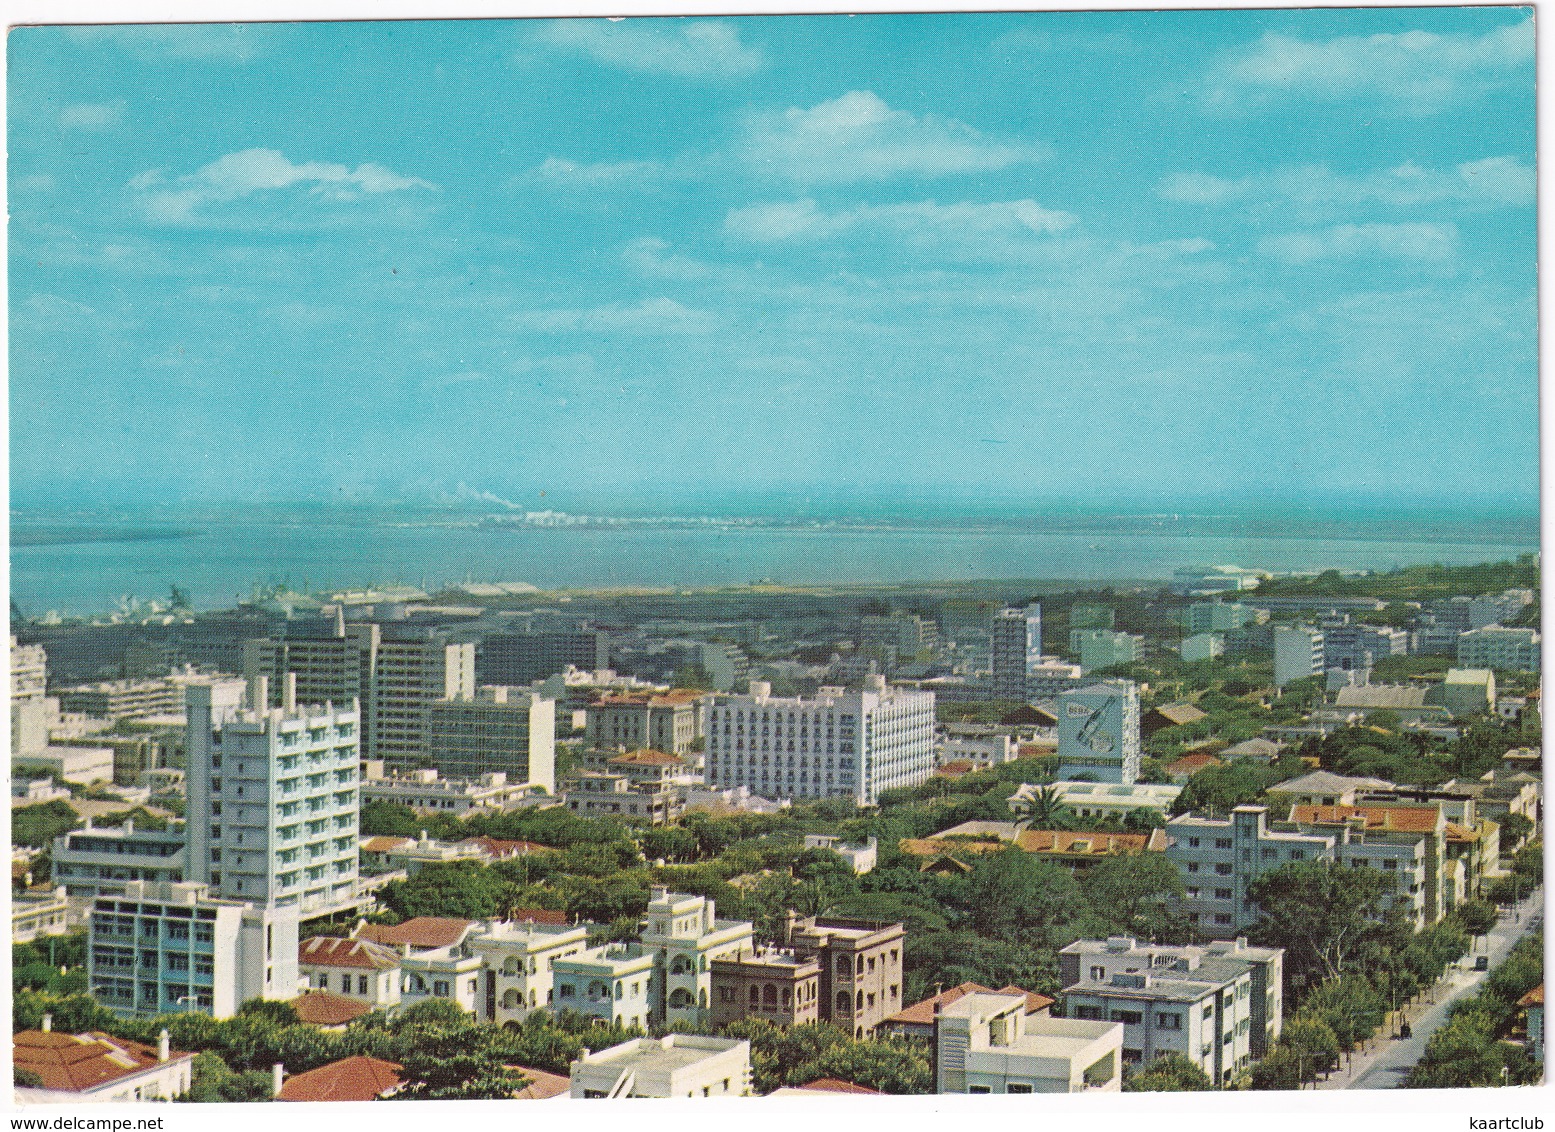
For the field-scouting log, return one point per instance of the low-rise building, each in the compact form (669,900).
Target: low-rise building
(1098,961)
(427,793)
(1469,691)
(1202,646)
(357,969)
(612,982)
(861,968)
(96,1068)
(860,858)
(988,1043)
(771,983)
(99,861)
(1102,799)
(81,765)
(1321,788)
(39,912)
(1500,648)
(666,721)
(684,936)
(1198,1007)
(436,958)
(917,1020)
(676,1065)
(162,948)
(358,1078)
(1220,857)
(618,795)
(518,958)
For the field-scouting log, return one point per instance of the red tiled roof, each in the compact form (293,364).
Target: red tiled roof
(1406,819)
(647,756)
(1534,997)
(74,1063)
(922,1013)
(1188,764)
(542,1085)
(350,1079)
(1080,842)
(497,847)
(833,1085)
(538,916)
(1034,1001)
(332,951)
(956,767)
(421,932)
(322,1008)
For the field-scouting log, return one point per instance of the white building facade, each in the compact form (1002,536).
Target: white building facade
(838,744)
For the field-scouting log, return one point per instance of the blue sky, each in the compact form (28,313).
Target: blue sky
(1146,257)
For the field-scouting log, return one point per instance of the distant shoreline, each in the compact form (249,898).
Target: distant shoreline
(67,536)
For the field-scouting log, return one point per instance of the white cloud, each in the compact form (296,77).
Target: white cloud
(921,223)
(688,49)
(651,316)
(250,171)
(1493,180)
(651,257)
(91,115)
(1419,71)
(561,172)
(1419,242)
(857,137)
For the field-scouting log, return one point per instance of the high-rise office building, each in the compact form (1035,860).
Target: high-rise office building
(497,731)
(1017,649)
(1098,733)
(837,744)
(393,672)
(522,658)
(274,801)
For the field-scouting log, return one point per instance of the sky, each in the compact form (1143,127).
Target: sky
(1155,258)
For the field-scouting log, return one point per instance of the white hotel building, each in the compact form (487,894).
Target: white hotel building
(840,744)
(274,801)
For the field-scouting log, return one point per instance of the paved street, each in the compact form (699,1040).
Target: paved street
(1388,1061)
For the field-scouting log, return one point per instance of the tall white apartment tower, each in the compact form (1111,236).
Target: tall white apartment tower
(274,800)
(1016,649)
(1298,653)
(838,744)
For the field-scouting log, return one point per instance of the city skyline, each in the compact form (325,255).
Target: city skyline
(1090,256)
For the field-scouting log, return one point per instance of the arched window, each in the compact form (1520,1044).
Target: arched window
(861,964)
(861,1000)
(510,999)
(680,999)
(512,966)
(844,967)
(842,1002)
(679,965)
(769,995)
(788,996)
(755,995)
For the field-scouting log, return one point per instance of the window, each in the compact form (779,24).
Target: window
(1223,870)
(1223,918)
(1014,1088)
(1098,974)
(1222,843)
(977,1088)
(1222,894)
(1169,1021)
(1127,1017)
(1193,866)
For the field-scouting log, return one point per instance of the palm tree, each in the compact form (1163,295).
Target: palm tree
(1044,808)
